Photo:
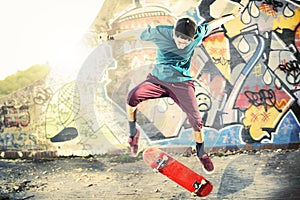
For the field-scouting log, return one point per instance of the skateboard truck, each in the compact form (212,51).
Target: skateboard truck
(197,185)
(161,162)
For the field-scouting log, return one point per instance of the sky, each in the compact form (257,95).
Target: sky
(43,31)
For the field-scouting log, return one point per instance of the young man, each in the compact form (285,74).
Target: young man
(171,76)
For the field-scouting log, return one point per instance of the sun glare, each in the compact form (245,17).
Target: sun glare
(39,32)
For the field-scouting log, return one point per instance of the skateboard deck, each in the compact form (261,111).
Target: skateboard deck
(165,164)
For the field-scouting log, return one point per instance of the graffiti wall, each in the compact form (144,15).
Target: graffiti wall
(247,80)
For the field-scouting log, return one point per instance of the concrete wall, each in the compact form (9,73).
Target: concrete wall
(247,84)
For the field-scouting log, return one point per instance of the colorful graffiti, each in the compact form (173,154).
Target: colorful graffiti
(247,81)
(19,127)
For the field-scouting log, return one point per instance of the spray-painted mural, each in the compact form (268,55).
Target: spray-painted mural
(247,76)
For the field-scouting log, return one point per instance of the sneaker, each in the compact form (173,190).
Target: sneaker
(207,165)
(134,143)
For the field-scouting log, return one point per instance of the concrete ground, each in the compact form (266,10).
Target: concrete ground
(264,174)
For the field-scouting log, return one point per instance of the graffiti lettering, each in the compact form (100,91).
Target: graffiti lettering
(221,61)
(12,117)
(24,117)
(263,97)
(275,4)
(16,140)
(42,95)
(292,70)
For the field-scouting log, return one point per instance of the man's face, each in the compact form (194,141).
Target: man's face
(180,42)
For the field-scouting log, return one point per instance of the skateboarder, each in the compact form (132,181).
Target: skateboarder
(171,76)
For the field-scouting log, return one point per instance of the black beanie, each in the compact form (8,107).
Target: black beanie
(185,28)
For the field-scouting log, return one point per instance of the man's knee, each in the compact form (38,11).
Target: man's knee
(131,99)
(196,123)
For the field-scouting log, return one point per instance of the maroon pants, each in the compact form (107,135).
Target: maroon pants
(183,94)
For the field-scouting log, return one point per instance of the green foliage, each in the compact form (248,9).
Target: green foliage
(22,79)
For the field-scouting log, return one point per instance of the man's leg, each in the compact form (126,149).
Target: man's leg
(134,133)
(184,95)
(199,139)
(131,116)
(208,166)
(144,91)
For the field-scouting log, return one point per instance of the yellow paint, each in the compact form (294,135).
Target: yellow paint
(217,47)
(287,22)
(257,118)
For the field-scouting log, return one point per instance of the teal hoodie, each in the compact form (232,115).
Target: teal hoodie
(172,64)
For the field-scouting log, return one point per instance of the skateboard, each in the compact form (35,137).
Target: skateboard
(163,163)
